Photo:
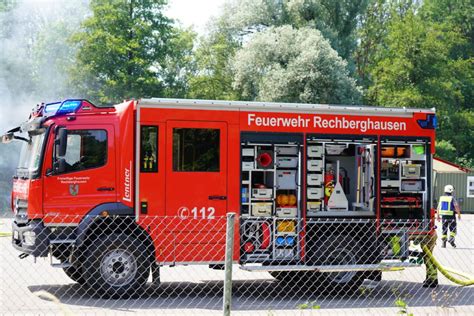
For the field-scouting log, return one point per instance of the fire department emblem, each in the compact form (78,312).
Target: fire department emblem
(74,189)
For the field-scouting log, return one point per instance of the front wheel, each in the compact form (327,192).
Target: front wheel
(116,266)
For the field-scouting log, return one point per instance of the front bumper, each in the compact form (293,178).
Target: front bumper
(31,238)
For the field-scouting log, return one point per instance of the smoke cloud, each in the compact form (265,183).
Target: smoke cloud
(35,53)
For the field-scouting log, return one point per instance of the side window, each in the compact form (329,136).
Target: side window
(149,149)
(85,149)
(196,149)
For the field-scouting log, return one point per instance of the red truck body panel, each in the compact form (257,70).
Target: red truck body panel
(182,202)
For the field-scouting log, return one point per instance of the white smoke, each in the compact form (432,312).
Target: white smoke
(35,53)
(34,57)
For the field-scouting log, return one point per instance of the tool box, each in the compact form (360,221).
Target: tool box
(315,193)
(262,193)
(262,209)
(412,185)
(315,165)
(287,162)
(315,151)
(286,211)
(286,180)
(286,150)
(315,179)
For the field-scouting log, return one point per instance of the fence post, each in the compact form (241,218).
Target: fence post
(229,250)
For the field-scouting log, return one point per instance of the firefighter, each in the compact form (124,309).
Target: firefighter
(446,207)
(431,279)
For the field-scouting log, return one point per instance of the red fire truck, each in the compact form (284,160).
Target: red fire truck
(315,187)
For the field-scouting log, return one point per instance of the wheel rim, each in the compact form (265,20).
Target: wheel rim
(341,257)
(118,267)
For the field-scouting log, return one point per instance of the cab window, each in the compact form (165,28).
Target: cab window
(196,149)
(149,149)
(85,149)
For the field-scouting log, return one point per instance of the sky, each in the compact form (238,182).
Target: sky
(195,13)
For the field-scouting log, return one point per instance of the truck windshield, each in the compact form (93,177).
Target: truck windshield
(31,153)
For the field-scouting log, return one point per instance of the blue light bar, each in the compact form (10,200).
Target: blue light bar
(61,108)
(51,108)
(69,106)
(431,122)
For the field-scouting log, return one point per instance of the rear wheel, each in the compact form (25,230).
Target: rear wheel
(341,251)
(117,266)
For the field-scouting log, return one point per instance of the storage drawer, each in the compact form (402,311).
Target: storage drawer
(248,165)
(284,253)
(315,151)
(286,151)
(315,179)
(315,165)
(286,211)
(412,185)
(390,183)
(315,193)
(248,152)
(286,179)
(262,193)
(313,207)
(262,209)
(287,162)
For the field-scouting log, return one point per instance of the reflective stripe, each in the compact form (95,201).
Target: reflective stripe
(449,213)
(452,234)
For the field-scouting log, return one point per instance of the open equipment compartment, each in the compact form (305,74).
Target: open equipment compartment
(340,175)
(270,196)
(405,182)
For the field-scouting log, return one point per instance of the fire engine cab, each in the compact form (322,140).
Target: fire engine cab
(315,187)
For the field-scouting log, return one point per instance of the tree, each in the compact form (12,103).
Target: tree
(213,76)
(293,65)
(179,66)
(122,50)
(414,67)
(337,20)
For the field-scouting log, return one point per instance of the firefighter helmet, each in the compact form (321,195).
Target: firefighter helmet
(448,188)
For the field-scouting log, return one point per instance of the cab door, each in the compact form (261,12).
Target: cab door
(89,176)
(196,189)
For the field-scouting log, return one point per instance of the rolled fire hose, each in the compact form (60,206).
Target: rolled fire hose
(446,271)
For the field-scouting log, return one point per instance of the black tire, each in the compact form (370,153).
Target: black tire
(336,250)
(116,266)
(340,250)
(283,275)
(75,274)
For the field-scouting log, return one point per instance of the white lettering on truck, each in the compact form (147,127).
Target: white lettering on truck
(127,196)
(362,124)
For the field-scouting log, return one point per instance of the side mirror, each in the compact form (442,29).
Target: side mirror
(59,165)
(61,142)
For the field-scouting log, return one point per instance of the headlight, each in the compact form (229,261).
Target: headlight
(29,238)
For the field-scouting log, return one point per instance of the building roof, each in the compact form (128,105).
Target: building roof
(444,166)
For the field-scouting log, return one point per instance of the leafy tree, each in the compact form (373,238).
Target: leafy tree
(293,65)
(179,66)
(213,77)
(457,127)
(122,50)
(336,20)
(414,67)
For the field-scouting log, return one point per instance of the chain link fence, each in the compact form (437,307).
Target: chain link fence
(330,266)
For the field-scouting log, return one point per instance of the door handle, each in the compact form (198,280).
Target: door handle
(105,189)
(217,197)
